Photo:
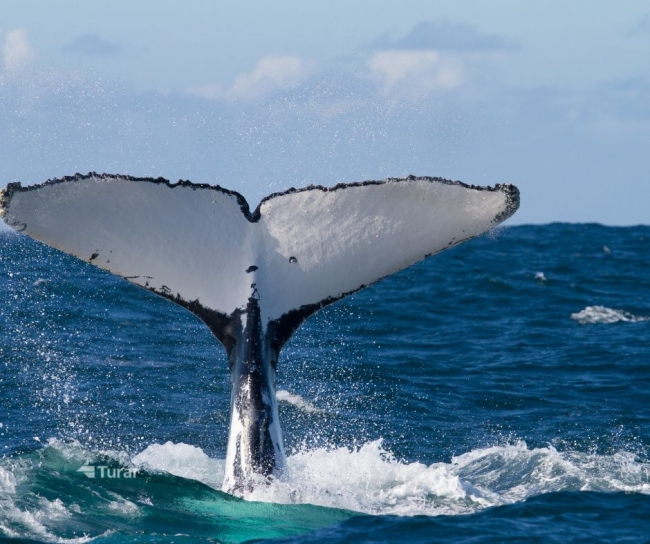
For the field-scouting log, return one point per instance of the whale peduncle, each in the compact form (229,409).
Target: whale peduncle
(255,449)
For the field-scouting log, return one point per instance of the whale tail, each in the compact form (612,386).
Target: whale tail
(253,276)
(300,250)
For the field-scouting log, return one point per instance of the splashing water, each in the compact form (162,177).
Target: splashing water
(368,479)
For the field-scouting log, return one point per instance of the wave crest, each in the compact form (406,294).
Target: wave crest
(602,314)
(368,479)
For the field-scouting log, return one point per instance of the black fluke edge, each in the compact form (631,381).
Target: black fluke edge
(511,192)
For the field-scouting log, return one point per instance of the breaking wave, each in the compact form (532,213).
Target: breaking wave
(45,490)
(602,314)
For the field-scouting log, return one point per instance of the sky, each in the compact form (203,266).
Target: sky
(261,96)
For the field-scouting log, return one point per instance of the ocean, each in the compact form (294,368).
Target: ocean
(495,392)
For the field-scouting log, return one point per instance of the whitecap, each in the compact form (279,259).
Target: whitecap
(602,314)
(370,479)
(516,472)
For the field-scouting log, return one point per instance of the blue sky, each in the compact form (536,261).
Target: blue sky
(260,96)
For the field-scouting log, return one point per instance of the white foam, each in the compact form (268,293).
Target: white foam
(7,482)
(602,314)
(370,479)
(516,472)
(297,401)
(34,521)
(124,507)
(182,460)
(364,479)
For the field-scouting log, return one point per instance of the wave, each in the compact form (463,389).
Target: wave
(602,314)
(45,496)
(370,479)
(182,460)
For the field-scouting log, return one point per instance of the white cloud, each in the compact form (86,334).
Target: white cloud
(16,51)
(270,74)
(420,70)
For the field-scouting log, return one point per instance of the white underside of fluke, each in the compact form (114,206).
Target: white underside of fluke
(300,248)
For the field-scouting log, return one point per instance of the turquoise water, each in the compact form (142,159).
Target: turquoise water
(496,391)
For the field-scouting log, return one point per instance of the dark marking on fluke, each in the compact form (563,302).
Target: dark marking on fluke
(293,260)
(93,256)
(251,269)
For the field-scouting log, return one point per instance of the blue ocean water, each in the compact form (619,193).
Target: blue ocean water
(498,391)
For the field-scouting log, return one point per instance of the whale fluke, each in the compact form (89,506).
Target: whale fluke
(253,276)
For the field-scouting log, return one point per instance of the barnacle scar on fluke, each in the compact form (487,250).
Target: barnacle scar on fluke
(200,242)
